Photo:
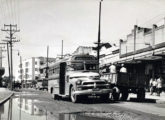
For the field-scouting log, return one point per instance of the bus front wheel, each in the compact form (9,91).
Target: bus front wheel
(74,98)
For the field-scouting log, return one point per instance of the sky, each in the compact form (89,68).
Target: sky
(45,23)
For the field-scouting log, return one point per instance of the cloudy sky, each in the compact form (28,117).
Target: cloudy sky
(47,22)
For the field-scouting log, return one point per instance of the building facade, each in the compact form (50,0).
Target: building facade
(142,52)
(29,69)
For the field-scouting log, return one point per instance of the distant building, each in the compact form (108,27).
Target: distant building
(108,56)
(84,50)
(29,69)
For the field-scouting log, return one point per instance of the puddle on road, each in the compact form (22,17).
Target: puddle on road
(20,108)
(80,116)
(24,109)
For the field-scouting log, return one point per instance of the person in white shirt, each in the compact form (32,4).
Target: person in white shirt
(112,68)
(159,85)
(150,85)
(123,69)
(113,74)
(154,85)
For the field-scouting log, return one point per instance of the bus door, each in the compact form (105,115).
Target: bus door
(62,78)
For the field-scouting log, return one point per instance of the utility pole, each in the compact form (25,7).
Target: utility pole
(99,33)
(47,67)
(20,67)
(11,29)
(8,56)
(62,50)
(1,57)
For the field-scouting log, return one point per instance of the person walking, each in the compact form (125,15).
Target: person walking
(150,85)
(159,85)
(154,85)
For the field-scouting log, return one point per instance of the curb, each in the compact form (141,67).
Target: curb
(160,101)
(6,98)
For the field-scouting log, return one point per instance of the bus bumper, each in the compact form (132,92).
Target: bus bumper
(93,92)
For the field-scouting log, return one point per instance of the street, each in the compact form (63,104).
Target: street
(128,110)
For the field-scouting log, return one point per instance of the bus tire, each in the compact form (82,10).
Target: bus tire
(115,94)
(74,98)
(124,95)
(56,97)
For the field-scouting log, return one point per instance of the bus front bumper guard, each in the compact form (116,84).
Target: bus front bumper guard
(93,92)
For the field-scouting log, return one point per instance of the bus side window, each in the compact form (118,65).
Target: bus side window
(67,78)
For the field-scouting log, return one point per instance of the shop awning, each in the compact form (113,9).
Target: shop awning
(152,55)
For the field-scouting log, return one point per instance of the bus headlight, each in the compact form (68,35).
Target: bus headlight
(79,82)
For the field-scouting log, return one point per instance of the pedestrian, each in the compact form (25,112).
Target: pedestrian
(113,74)
(154,85)
(150,85)
(159,85)
(123,69)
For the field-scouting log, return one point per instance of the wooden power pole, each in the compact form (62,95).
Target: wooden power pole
(11,29)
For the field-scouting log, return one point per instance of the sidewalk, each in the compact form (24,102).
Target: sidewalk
(158,99)
(5,94)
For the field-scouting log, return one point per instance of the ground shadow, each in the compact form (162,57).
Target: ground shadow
(92,101)
(142,101)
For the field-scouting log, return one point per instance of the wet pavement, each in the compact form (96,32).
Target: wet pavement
(24,109)
(40,106)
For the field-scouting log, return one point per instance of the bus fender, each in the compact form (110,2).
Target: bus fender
(116,90)
(70,86)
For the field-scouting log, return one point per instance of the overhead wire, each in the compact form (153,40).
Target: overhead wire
(7,10)
(11,11)
(153,20)
(2,13)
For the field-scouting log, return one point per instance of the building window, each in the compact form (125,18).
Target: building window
(26,76)
(26,64)
(41,71)
(26,70)
(41,62)
(36,69)
(20,77)
(20,65)
(21,70)
(35,62)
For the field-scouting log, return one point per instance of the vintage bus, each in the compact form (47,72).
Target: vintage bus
(76,78)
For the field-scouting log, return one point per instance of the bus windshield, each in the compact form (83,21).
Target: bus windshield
(81,66)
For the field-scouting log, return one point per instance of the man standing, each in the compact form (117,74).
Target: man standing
(123,69)
(159,85)
(113,74)
(154,85)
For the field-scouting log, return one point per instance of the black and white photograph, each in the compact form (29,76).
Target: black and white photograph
(82,59)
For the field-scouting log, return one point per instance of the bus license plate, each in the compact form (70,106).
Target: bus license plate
(96,89)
